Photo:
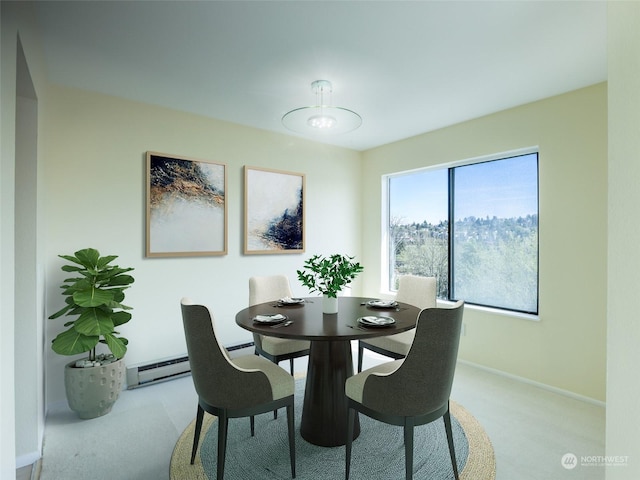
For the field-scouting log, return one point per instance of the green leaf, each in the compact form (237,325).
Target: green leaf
(72,343)
(118,296)
(93,297)
(119,318)
(116,345)
(61,312)
(121,280)
(104,261)
(79,284)
(88,257)
(71,268)
(71,258)
(94,321)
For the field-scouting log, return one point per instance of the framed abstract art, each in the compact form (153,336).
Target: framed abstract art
(273,211)
(186,206)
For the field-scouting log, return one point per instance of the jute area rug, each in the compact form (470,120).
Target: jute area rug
(378,453)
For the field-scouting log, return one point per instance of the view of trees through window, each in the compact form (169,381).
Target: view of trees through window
(488,255)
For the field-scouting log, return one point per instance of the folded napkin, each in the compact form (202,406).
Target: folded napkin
(291,300)
(382,303)
(269,318)
(373,320)
(376,321)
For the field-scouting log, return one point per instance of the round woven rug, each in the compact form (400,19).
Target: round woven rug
(378,453)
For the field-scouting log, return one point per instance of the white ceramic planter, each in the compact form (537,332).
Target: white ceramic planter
(91,392)
(329,305)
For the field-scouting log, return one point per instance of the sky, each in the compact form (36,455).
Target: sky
(502,188)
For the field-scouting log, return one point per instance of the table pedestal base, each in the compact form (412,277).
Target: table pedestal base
(324,413)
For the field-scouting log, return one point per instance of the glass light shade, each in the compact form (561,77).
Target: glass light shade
(323,119)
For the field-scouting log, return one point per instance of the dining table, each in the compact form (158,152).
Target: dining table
(324,409)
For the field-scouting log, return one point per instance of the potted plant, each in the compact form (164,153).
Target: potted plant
(94,296)
(329,275)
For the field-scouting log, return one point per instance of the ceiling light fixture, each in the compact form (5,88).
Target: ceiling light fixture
(322,117)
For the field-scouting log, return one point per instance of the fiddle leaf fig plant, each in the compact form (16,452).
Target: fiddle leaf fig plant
(95,298)
(329,275)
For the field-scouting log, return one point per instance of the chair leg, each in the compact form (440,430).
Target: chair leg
(223,425)
(275,412)
(447,426)
(360,355)
(351,416)
(196,436)
(292,439)
(252,422)
(408,448)
(291,365)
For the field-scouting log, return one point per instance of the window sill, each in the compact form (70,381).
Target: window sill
(493,311)
(497,311)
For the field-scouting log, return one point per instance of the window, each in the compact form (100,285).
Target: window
(474,227)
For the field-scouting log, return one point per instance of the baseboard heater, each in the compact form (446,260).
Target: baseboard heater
(143,374)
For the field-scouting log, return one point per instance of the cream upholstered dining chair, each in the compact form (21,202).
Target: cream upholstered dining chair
(414,290)
(424,379)
(270,289)
(242,387)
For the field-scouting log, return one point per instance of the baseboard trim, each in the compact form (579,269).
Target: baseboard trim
(27,459)
(544,386)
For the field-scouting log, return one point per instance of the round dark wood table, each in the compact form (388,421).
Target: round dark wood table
(324,411)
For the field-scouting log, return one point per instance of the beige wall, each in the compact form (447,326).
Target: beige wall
(566,348)
(623,333)
(95,197)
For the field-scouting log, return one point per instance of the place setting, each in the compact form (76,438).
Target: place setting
(371,321)
(382,304)
(290,302)
(273,320)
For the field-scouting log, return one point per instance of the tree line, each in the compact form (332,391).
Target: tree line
(496,259)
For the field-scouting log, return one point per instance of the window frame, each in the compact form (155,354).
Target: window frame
(450,166)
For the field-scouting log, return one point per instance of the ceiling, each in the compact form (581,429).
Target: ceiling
(405,67)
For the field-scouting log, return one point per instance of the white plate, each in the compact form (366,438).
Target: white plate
(376,321)
(382,303)
(270,319)
(290,301)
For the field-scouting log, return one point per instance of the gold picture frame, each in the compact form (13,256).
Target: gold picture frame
(186,206)
(274,211)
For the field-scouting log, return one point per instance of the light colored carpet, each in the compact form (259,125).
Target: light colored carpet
(108,447)
(378,452)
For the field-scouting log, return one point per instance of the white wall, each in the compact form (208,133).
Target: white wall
(95,197)
(566,348)
(623,333)
(21,410)
(29,322)
(8,44)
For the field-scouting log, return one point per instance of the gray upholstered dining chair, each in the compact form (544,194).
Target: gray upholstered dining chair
(423,379)
(242,387)
(414,290)
(270,289)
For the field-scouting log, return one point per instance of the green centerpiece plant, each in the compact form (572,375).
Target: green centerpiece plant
(94,296)
(328,275)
